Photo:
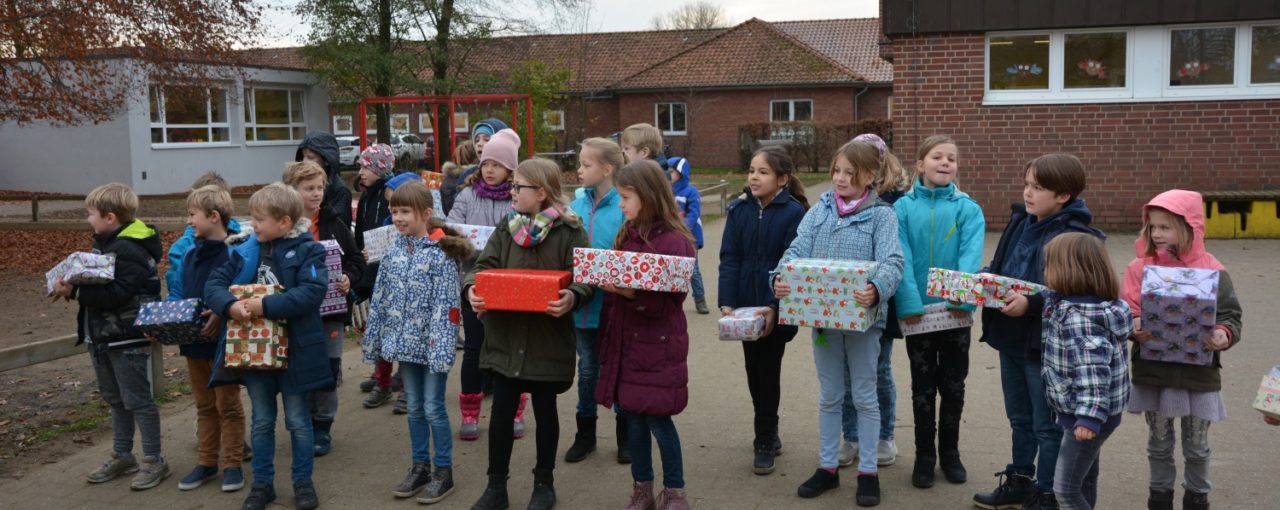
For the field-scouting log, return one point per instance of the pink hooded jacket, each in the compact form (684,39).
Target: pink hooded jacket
(1190,207)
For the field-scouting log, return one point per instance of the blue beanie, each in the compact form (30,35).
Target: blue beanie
(488,126)
(399,180)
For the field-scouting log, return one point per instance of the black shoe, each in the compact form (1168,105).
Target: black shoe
(418,477)
(777,445)
(402,404)
(868,490)
(821,481)
(544,492)
(620,429)
(304,495)
(584,442)
(367,385)
(1042,501)
(261,495)
(1012,492)
(953,470)
(1195,501)
(494,497)
(923,473)
(1160,500)
(765,452)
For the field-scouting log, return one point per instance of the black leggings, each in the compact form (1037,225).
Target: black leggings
(939,366)
(473,332)
(764,372)
(506,396)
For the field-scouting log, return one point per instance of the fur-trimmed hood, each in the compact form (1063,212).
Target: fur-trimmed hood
(455,244)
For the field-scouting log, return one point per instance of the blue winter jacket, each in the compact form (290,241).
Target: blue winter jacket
(940,227)
(602,222)
(688,198)
(754,240)
(416,305)
(206,257)
(173,276)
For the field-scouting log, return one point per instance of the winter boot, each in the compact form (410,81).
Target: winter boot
(922,474)
(949,451)
(1012,492)
(544,490)
(642,496)
(1195,501)
(700,305)
(470,405)
(517,427)
(495,495)
(1042,501)
(673,499)
(584,442)
(324,440)
(1160,500)
(417,478)
(620,429)
(440,486)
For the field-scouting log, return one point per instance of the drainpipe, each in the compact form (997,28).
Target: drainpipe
(865,88)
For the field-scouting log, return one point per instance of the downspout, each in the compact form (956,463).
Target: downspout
(865,88)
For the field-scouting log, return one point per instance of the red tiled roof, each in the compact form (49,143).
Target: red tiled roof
(854,43)
(280,58)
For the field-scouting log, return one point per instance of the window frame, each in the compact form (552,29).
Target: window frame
(209,125)
(546,114)
(791,109)
(1057,92)
(251,116)
(671,121)
(351,123)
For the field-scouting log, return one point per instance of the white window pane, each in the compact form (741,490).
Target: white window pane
(1094,60)
(1203,56)
(1019,62)
(217,105)
(1266,55)
(295,106)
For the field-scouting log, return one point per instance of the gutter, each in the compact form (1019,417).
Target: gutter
(866,87)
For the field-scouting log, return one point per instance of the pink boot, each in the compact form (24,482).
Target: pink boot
(517,428)
(641,496)
(673,499)
(470,404)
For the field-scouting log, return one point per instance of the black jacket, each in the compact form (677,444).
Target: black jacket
(336,193)
(753,243)
(108,310)
(370,214)
(332,227)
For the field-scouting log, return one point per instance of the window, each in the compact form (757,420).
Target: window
(1265,65)
(791,110)
(342,125)
(1094,60)
(670,118)
(553,119)
(188,115)
(424,123)
(400,122)
(1019,62)
(1202,56)
(273,115)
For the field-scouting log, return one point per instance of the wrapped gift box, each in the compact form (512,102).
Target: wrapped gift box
(377,241)
(520,290)
(82,268)
(981,289)
(477,234)
(260,344)
(433,180)
(936,318)
(822,294)
(743,325)
(1180,310)
(1268,399)
(334,301)
(173,322)
(632,270)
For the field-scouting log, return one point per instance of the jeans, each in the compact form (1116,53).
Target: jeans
(263,388)
(588,371)
(324,403)
(886,395)
(640,427)
(695,282)
(473,340)
(506,396)
(763,361)
(1195,453)
(1076,482)
(428,415)
(854,355)
(939,367)
(219,417)
(124,381)
(1034,431)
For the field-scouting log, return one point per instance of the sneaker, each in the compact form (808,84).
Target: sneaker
(1047,501)
(197,477)
(868,490)
(232,479)
(402,404)
(261,495)
(1012,492)
(673,499)
(367,385)
(151,471)
(700,305)
(439,487)
(304,495)
(821,481)
(377,397)
(763,463)
(116,466)
(886,452)
(641,496)
(419,475)
(848,453)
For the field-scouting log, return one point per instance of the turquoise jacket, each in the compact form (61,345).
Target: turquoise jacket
(940,227)
(602,222)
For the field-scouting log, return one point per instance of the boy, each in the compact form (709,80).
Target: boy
(219,415)
(321,148)
(1051,206)
(690,203)
(184,244)
(282,253)
(121,355)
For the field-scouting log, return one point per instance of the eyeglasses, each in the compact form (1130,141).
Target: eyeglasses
(515,188)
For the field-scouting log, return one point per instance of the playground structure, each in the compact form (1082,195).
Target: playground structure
(433,103)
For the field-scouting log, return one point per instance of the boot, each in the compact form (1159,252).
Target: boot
(1042,501)
(673,499)
(620,429)
(1195,501)
(700,304)
(868,490)
(544,490)
(440,486)
(417,478)
(949,451)
(517,427)
(952,469)
(584,442)
(1161,500)
(923,473)
(495,495)
(1012,491)
(763,463)
(641,496)
(324,441)
(469,403)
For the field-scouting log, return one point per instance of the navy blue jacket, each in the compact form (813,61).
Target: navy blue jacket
(753,243)
(197,265)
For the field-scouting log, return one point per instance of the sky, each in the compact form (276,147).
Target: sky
(284,28)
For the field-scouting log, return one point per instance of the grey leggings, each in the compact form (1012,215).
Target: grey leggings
(1195,453)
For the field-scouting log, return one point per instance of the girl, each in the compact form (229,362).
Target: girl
(646,340)
(486,200)
(1173,236)
(464,157)
(1086,371)
(413,320)
(940,226)
(386,383)
(529,352)
(850,222)
(598,208)
(377,167)
(773,202)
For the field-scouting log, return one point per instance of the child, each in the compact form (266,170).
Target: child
(179,248)
(761,225)
(1173,236)
(481,133)
(690,203)
(120,353)
(940,226)
(598,160)
(414,320)
(282,253)
(486,201)
(849,223)
(1086,370)
(528,352)
(321,148)
(385,384)
(464,157)
(219,415)
(309,180)
(1050,206)
(377,168)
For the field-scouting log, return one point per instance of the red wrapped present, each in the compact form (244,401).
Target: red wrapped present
(520,290)
(259,344)
(433,180)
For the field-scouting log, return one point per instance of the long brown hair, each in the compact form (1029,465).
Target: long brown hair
(1077,264)
(657,202)
(781,164)
(864,157)
(464,155)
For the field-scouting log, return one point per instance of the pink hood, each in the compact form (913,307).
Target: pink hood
(1190,206)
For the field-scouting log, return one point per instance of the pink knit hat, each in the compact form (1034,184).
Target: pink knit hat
(503,148)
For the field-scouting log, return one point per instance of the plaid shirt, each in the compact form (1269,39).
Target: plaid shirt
(1086,366)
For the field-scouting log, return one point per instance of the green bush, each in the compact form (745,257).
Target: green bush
(811,144)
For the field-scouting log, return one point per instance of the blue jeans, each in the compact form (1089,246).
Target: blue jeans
(640,426)
(852,355)
(263,388)
(588,370)
(1076,482)
(886,394)
(695,282)
(1034,430)
(428,415)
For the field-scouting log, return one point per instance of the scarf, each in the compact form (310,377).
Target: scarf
(844,209)
(529,231)
(491,192)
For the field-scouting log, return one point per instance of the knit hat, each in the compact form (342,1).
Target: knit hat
(875,140)
(488,126)
(504,149)
(399,180)
(379,158)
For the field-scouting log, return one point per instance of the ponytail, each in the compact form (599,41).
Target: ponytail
(780,162)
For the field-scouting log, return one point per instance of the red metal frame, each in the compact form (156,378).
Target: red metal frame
(362,114)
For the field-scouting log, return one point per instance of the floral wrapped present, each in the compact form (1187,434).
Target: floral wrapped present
(981,289)
(743,325)
(632,270)
(260,344)
(477,234)
(82,268)
(822,294)
(1268,399)
(1180,310)
(173,322)
(334,302)
(936,318)
(377,241)
(520,290)
(433,180)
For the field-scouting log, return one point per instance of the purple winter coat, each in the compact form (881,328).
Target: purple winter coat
(644,348)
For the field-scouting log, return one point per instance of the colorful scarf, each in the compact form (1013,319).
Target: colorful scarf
(500,192)
(529,231)
(844,209)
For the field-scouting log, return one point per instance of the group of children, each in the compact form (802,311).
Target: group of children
(1064,355)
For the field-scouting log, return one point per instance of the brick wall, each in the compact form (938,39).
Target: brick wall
(1132,151)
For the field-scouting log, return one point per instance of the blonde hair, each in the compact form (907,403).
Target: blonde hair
(1077,264)
(1185,235)
(277,201)
(465,154)
(657,202)
(643,136)
(114,198)
(545,174)
(929,143)
(606,152)
(211,178)
(296,173)
(210,199)
(864,157)
(892,175)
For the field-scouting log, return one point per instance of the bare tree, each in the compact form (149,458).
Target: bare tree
(691,16)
